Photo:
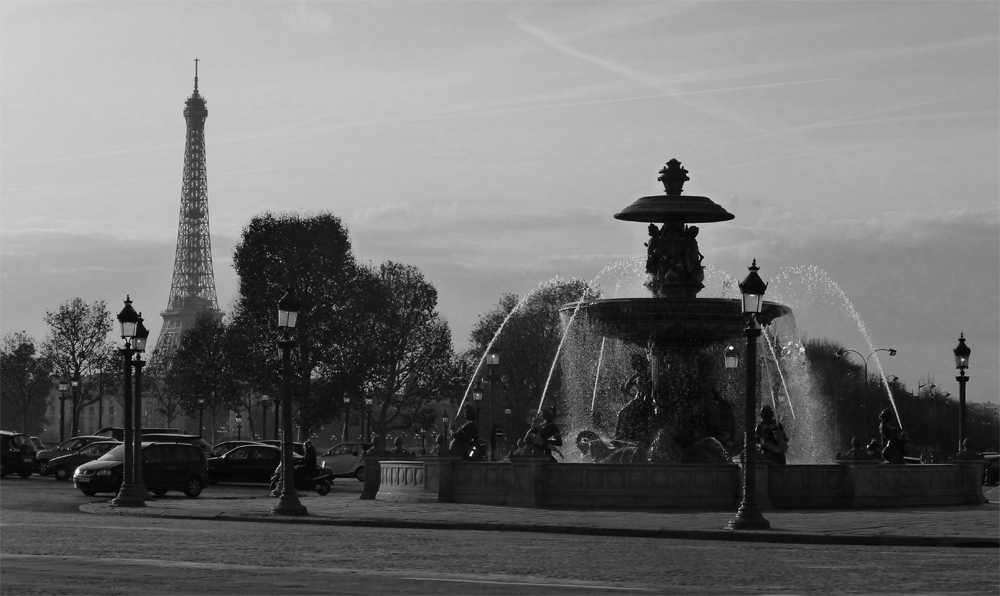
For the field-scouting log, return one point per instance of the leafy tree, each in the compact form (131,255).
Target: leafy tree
(407,349)
(25,381)
(313,255)
(78,348)
(199,374)
(527,346)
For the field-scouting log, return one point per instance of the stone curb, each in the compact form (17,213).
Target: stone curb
(721,534)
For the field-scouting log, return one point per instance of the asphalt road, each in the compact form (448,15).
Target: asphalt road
(48,547)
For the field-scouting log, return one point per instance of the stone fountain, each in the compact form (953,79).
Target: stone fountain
(674,439)
(675,412)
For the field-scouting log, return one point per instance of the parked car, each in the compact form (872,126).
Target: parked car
(38,443)
(165,467)
(298,448)
(226,446)
(62,467)
(991,473)
(17,455)
(172,438)
(246,463)
(118,433)
(65,448)
(344,460)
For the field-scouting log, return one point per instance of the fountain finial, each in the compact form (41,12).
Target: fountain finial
(673,176)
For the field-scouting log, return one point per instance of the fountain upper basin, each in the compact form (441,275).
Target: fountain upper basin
(671,323)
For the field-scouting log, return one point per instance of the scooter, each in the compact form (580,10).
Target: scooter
(321,483)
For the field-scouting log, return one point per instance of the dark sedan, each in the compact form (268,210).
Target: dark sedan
(62,467)
(248,463)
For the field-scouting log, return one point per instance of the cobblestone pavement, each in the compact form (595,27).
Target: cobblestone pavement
(973,525)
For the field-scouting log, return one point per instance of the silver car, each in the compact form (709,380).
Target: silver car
(344,460)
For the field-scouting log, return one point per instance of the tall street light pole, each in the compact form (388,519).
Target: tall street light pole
(288,501)
(75,393)
(128,495)
(749,517)
(492,361)
(367,421)
(962,353)
(63,388)
(842,353)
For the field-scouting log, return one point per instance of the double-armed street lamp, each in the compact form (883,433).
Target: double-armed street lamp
(288,501)
(962,353)
(63,389)
(842,353)
(749,517)
(128,495)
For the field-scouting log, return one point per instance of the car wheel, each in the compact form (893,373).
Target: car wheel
(24,474)
(360,474)
(61,473)
(88,492)
(322,488)
(193,486)
(43,467)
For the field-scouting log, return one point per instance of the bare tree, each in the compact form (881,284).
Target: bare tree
(78,347)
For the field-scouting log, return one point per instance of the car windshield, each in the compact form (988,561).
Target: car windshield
(116,454)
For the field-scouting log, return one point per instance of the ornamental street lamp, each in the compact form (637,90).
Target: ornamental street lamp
(63,389)
(265,401)
(749,517)
(347,418)
(842,353)
(239,427)
(201,416)
(368,418)
(128,495)
(444,422)
(477,396)
(492,361)
(139,345)
(962,353)
(75,394)
(288,501)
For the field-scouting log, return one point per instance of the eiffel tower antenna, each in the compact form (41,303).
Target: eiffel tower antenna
(192,288)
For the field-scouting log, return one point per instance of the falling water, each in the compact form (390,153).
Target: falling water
(562,341)
(781,375)
(790,280)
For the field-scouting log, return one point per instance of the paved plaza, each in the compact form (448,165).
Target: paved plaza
(973,525)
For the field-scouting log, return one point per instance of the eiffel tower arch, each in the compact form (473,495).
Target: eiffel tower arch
(192,288)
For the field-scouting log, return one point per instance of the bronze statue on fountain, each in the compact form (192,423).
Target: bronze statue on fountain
(674,411)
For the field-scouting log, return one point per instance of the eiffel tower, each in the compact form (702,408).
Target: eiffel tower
(192,288)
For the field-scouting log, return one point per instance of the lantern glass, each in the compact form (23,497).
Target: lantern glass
(128,319)
(752,288)
(732,360)
(962,353)
(288,310)
(493,359)
(141,335)
(63,386)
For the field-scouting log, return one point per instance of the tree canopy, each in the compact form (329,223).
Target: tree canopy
(25,382)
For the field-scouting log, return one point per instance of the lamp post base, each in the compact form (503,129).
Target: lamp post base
(128,496)
(289,505)
(748,517)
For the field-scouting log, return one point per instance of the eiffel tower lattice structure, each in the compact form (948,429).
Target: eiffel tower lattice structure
(192,288)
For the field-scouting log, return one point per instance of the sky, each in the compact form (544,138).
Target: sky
(490,144)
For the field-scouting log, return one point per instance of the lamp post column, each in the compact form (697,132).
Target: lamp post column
(288,501)
(62,411)
(129,495)
(749,517)
(263,420)
(137,432)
